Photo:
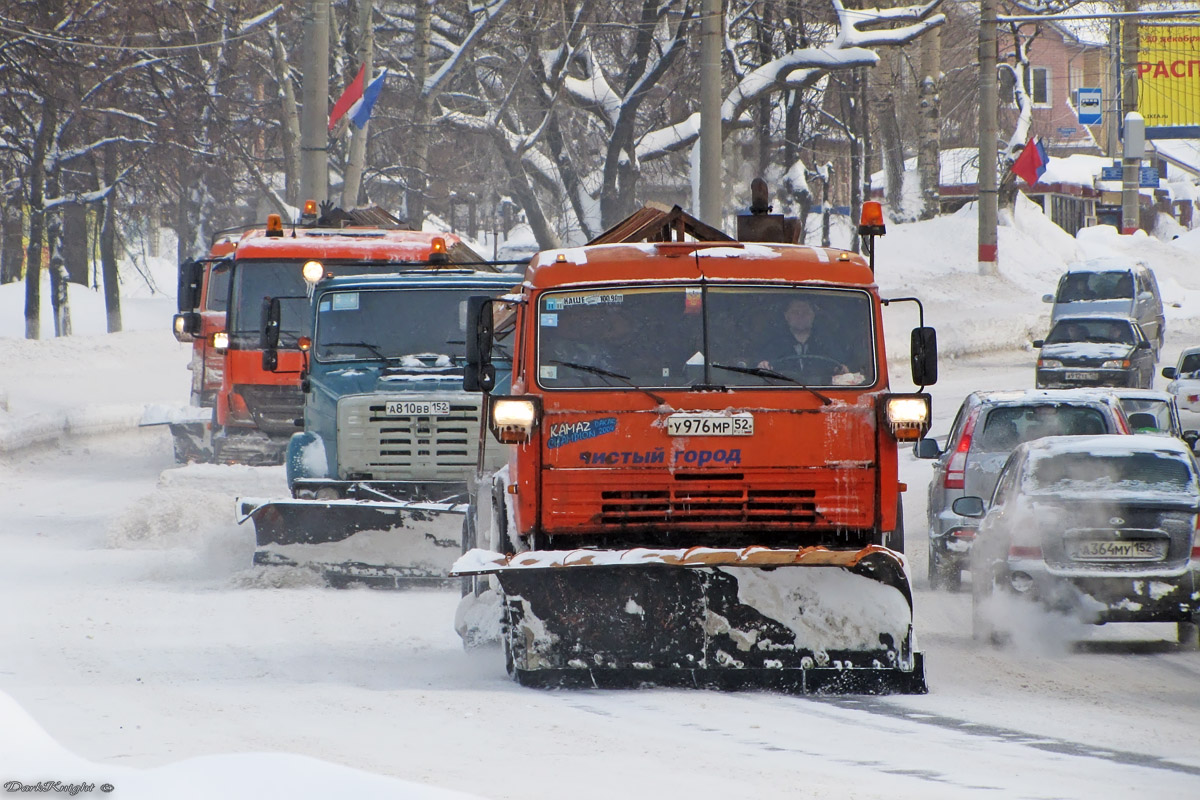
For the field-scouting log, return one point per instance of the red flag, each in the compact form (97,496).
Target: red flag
(349,97)
(1028,166)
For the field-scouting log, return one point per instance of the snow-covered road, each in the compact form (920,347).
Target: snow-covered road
(137,635)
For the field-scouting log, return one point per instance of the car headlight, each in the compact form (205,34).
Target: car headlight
(513,419)
(1115,363)
(1049,363)
(908,415)
(220,340)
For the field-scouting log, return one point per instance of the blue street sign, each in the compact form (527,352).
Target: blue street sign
(1110,173)
(1148,177)
(1089,107)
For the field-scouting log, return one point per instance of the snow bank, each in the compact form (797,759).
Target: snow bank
(29,756)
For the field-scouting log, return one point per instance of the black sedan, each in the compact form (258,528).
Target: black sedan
(1099,527)
(1095,351)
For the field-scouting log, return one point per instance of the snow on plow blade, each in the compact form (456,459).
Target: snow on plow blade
(379,544)
(810,620)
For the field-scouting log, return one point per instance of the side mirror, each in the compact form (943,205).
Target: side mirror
(1168,372)
(191,276)
(1047,298)
(1191,437)
(1039,343)
(479,375)
(923,353)
(1144,345)
(969,506)
(926,448)
(269,333)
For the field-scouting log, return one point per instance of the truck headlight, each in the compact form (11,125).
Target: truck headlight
(1049,363)
(221,340)
(908,415)
(1115,364)
(313,271)
(513,419)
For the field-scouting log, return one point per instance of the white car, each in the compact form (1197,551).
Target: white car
(1185,379)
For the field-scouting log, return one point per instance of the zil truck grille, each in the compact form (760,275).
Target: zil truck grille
(687,506)
(276,409)
(432,448)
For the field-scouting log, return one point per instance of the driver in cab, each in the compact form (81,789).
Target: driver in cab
(810,348)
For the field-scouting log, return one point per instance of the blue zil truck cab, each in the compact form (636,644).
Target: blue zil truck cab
(384,404)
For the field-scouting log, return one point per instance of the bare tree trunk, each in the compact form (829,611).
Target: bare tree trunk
(75,242)
(858,148)
(290,117)
(37,219)
(418,167)
(891,149)
(929,147)
(12,246)
(108,247)
(58,270)
(357,159)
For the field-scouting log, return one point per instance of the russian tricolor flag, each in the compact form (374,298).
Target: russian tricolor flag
(355,101)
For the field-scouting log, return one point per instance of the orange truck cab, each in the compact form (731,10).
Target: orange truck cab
(655,401)
(687,417)
(259,406)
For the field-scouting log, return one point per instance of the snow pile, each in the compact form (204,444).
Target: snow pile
(29,757)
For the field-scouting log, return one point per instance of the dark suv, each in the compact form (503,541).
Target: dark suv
(987,428)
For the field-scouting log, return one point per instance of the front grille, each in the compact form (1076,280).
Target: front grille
(276,409)
(433,448)
(689,506)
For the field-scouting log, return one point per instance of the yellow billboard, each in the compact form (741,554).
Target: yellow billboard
(1168,74)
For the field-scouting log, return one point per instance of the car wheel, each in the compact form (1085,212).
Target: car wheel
(934,569)
(1188,635)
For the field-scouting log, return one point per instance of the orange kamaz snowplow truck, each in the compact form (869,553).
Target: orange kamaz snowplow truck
(260,405)
(703,488)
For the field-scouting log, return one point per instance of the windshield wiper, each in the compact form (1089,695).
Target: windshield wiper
(763,372)
(609,374)
(365,345)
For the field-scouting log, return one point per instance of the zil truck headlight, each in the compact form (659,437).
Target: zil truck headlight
(908,415)
(513,419)
(221,340)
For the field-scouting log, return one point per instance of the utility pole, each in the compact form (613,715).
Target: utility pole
(1133,130)
(988,102)
(356,161)
(314,135)
(710,112)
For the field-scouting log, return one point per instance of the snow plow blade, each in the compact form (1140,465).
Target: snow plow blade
(385,545)
(806,621)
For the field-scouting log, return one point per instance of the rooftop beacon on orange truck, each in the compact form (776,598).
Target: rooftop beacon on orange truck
(686,501)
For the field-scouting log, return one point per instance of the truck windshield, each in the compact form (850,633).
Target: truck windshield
(682,335)
(253,280)
(413,327)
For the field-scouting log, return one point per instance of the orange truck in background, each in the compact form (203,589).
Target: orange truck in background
(689,498)
(202,296)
